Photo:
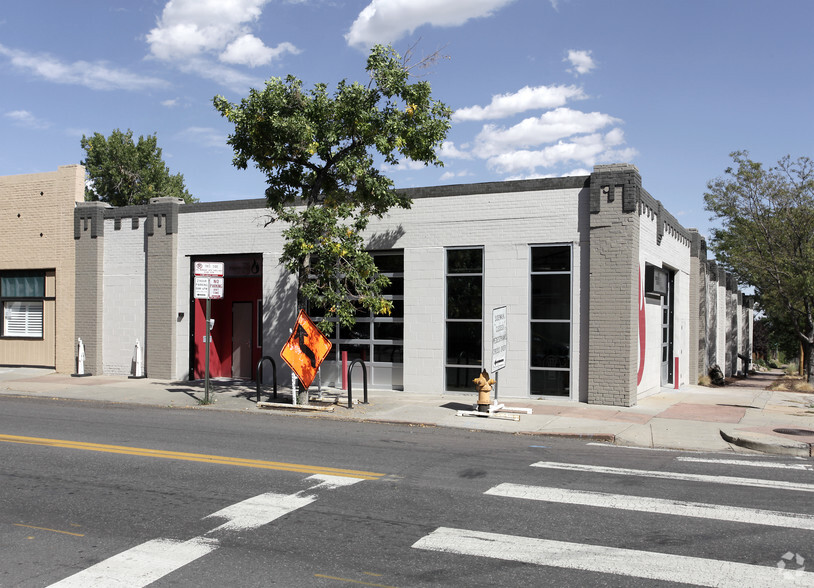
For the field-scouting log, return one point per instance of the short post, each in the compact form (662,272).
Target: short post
(350,381)
(137,371)
(260,375)
(293,388)
(80,358)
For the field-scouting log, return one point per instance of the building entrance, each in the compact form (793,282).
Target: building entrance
(236,344)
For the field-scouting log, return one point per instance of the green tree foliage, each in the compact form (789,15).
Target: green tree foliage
(766,237)
(321,154)
(122,172)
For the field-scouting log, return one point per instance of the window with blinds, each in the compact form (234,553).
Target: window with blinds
(22,319)
(22,294)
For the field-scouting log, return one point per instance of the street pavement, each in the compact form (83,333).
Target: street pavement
(743,416)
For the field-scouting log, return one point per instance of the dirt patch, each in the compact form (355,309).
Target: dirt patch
(792,384)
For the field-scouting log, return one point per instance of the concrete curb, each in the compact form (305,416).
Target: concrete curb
(767,444)
(595,437)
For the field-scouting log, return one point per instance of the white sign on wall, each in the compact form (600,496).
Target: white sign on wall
(499,338)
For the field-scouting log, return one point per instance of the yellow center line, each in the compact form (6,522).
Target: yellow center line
(51,530)
(199,457)
(352,581)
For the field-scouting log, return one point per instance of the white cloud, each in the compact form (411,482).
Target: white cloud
(581,62)
(24,118)
(97,75)
(205,136)
(504,105)
(449,175)
(193,33)
(550,126)
(249,50)
(404,165)
(449,150)
(586,150)
(173,102)
(385,21)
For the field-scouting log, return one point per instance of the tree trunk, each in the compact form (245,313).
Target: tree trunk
(808,348)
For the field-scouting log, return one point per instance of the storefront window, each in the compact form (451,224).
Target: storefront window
(22,296)
(464,317)
(550,320)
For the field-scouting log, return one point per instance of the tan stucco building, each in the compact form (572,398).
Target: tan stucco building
(38,267)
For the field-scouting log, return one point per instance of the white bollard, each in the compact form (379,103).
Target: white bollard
(80,358)
(138,368)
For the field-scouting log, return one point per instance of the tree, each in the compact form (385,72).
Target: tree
(766,238)
(318,152)
(122,172)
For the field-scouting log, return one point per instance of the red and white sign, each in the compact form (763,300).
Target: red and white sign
(209,268)
(211,288)
(216,286)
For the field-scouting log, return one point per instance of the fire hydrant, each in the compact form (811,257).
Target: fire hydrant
(483,384)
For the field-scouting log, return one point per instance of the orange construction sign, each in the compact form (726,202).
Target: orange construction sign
(305,349)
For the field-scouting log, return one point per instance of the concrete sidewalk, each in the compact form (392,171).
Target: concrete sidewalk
(743,416)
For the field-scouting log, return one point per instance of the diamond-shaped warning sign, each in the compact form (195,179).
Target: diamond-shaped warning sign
(305,349)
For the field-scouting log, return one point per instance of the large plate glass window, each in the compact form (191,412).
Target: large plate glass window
(378,340)
(22,294)
(464,317)
(550,320)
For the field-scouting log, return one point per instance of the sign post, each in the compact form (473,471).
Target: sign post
(499,343)
(209,284)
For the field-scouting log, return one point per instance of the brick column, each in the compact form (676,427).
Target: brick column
(698,307)
(613,315)
(89,232)
(161,245)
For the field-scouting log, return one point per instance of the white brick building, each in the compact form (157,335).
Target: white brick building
(607,296)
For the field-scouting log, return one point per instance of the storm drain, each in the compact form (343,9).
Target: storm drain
(801,432)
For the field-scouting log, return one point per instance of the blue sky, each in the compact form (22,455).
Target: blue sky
(540,87)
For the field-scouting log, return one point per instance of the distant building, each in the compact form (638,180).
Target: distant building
(607,296)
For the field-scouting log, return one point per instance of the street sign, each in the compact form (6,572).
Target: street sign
(499,338)
(305,349)
(208,268)
(208,287)
(215,288)
(201,287)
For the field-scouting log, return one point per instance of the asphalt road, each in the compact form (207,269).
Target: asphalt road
(171,497)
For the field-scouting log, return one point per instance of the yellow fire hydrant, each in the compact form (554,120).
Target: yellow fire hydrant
(483,384)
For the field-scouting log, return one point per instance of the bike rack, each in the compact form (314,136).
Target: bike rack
(350,382)
(260,374)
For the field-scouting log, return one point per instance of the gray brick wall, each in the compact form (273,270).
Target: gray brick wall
(161,240)
(614,278)
(89,232)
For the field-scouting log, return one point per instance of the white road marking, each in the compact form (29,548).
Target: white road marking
(774,484)
(657,505)
(141,565)
(258,511)
(146,563)
(607,560)
(745,462)
(328,482)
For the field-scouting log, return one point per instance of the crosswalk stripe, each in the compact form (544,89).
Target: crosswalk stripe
(608,560)
(774,484)
(745,462)
(141,565)
(150,561)
(656,505)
